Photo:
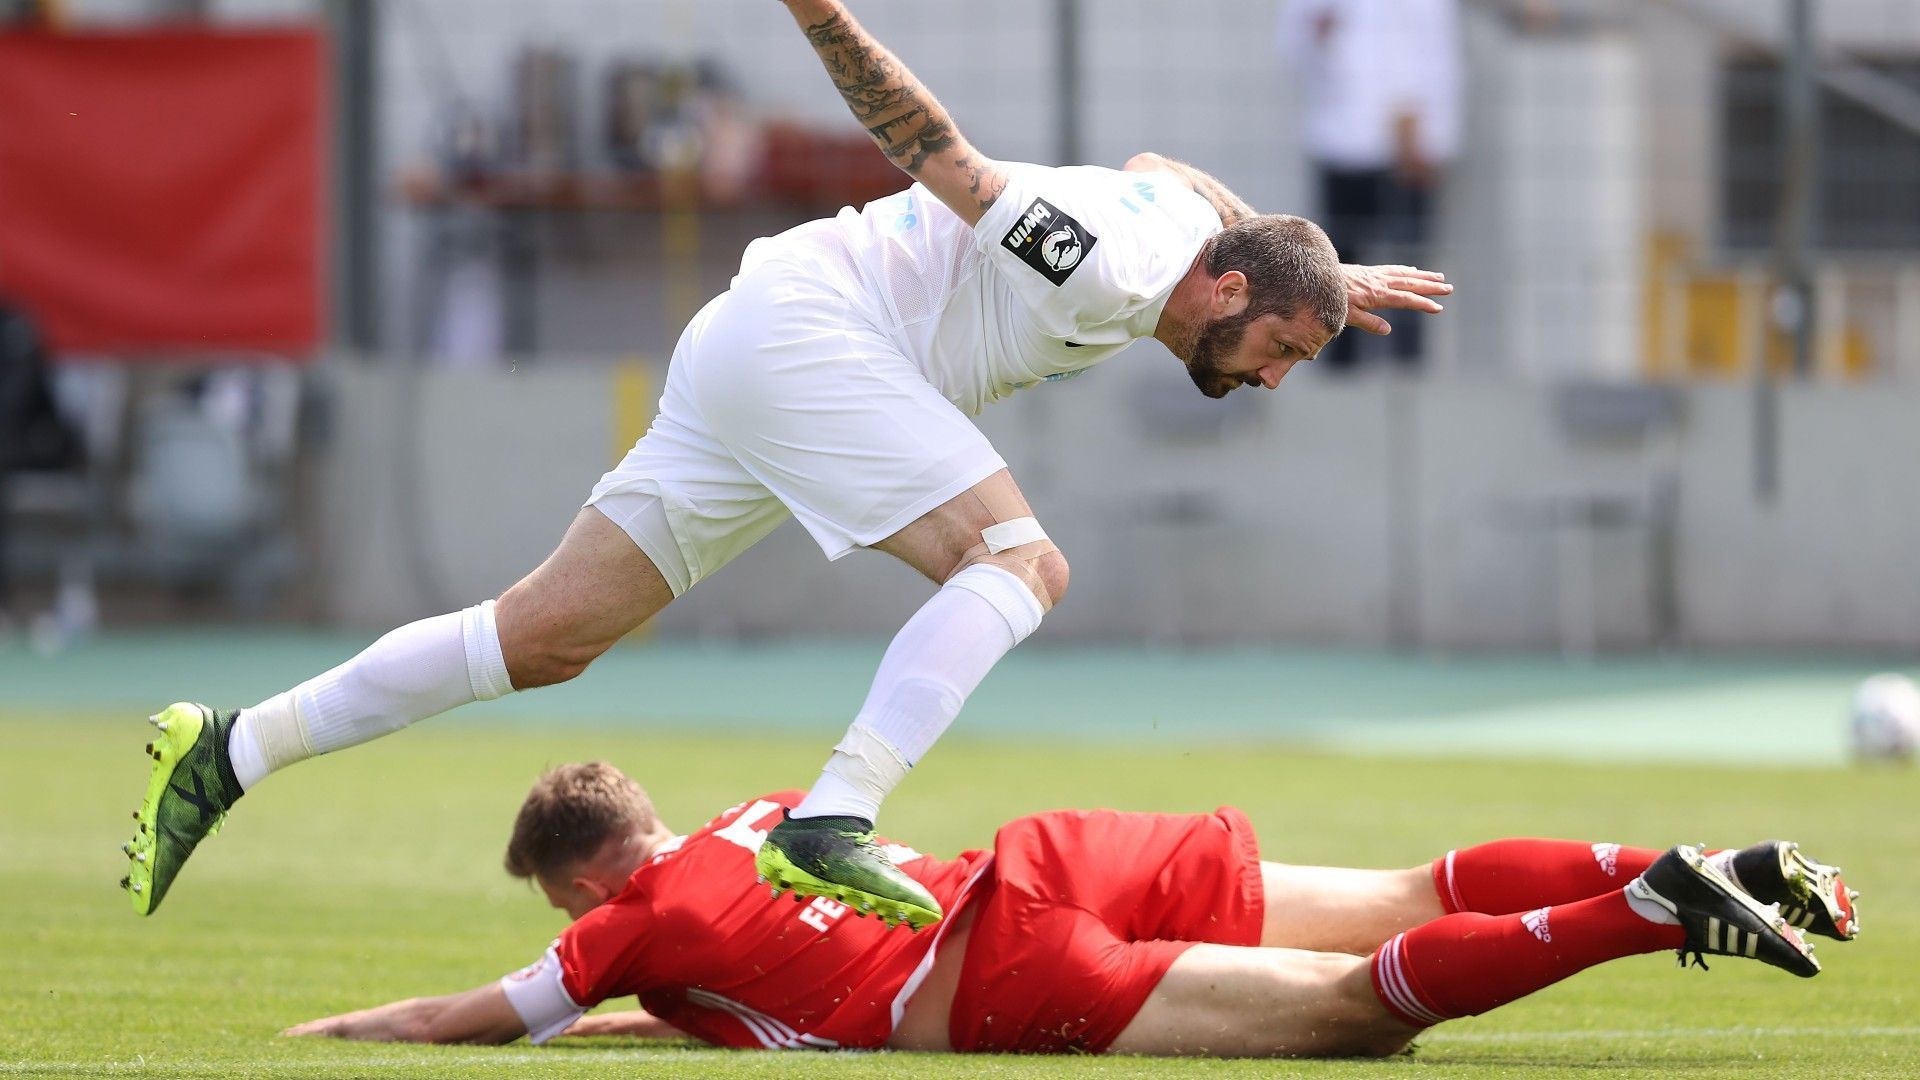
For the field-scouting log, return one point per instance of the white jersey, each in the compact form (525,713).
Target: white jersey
(1068,267)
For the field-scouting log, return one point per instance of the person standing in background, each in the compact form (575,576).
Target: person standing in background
(29,14)
(1380,82)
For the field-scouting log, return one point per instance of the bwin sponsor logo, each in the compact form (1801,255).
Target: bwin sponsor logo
(1034,217)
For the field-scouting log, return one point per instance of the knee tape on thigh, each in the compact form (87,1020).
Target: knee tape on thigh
(1012,534)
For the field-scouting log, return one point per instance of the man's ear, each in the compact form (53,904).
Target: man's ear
(593,887)
(1229,295)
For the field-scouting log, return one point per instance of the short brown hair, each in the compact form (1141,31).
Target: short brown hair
(1289,263)
(570,814)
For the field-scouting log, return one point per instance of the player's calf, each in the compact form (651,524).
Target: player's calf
(1467,963)
(545,640)
(596,587)
(992,602)
(533,663)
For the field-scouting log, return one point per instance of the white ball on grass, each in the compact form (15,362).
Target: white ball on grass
(1886,718)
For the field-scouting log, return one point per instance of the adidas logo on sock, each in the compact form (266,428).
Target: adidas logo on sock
(1536,923)
(1608,856)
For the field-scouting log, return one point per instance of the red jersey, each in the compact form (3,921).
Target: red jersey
(696,937)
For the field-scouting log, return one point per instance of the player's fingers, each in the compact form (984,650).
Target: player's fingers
(1415,272)
(1368,321)
(1411,281)
(325,1025)
(1406,301)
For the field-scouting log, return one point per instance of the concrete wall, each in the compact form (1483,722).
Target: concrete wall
(1436,514)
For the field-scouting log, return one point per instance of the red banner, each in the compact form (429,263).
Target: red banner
(162,191)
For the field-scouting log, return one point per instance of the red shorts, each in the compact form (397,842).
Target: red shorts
(1083,913)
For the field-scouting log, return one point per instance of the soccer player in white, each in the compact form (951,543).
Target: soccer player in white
(832,382)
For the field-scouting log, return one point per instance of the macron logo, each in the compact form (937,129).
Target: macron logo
(1536,923)
(1036,215)
(1608,856)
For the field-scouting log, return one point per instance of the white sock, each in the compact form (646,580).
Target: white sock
(1723,862)
(935,661)
(420,670)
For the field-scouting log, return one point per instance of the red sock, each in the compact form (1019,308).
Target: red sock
(1460,965)
(1506,876)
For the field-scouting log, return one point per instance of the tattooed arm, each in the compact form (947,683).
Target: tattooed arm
(1229,206)
(910,126)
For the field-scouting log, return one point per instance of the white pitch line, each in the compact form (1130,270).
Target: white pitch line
(636,1056)
(174,1067)
(1674,1033)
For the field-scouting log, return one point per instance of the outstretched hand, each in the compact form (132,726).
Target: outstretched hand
(1406,288)
(330,1026)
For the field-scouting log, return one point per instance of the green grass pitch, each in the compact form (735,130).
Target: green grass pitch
(375,875)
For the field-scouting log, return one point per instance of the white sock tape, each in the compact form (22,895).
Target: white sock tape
(278,732)
(1012,534)
(876,766)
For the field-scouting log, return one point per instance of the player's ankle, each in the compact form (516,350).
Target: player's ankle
(841,822)
(833,795)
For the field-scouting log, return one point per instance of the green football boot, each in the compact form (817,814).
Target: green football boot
(188,795)
(838,857)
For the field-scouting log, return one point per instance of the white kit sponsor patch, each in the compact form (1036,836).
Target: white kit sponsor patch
(1049,240)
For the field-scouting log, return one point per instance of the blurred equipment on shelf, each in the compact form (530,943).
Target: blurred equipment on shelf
(546,111)
(676,143)
(632,89)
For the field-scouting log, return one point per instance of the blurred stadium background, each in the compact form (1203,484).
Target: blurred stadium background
(1671,406)
(345,304)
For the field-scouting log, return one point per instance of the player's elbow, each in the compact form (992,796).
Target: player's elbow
(1145,161)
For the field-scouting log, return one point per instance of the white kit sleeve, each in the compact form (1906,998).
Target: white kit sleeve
(1086,246)
(537,993)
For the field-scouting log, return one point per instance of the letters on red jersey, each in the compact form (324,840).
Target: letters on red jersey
(698,939)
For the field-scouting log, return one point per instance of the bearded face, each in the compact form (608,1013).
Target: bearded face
(1215,351)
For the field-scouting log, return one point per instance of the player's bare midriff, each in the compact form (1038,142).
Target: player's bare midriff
(924,1024)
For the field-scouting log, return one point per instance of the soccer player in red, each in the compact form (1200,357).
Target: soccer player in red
(1192,946)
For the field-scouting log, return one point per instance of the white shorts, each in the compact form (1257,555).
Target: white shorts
(782,398)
